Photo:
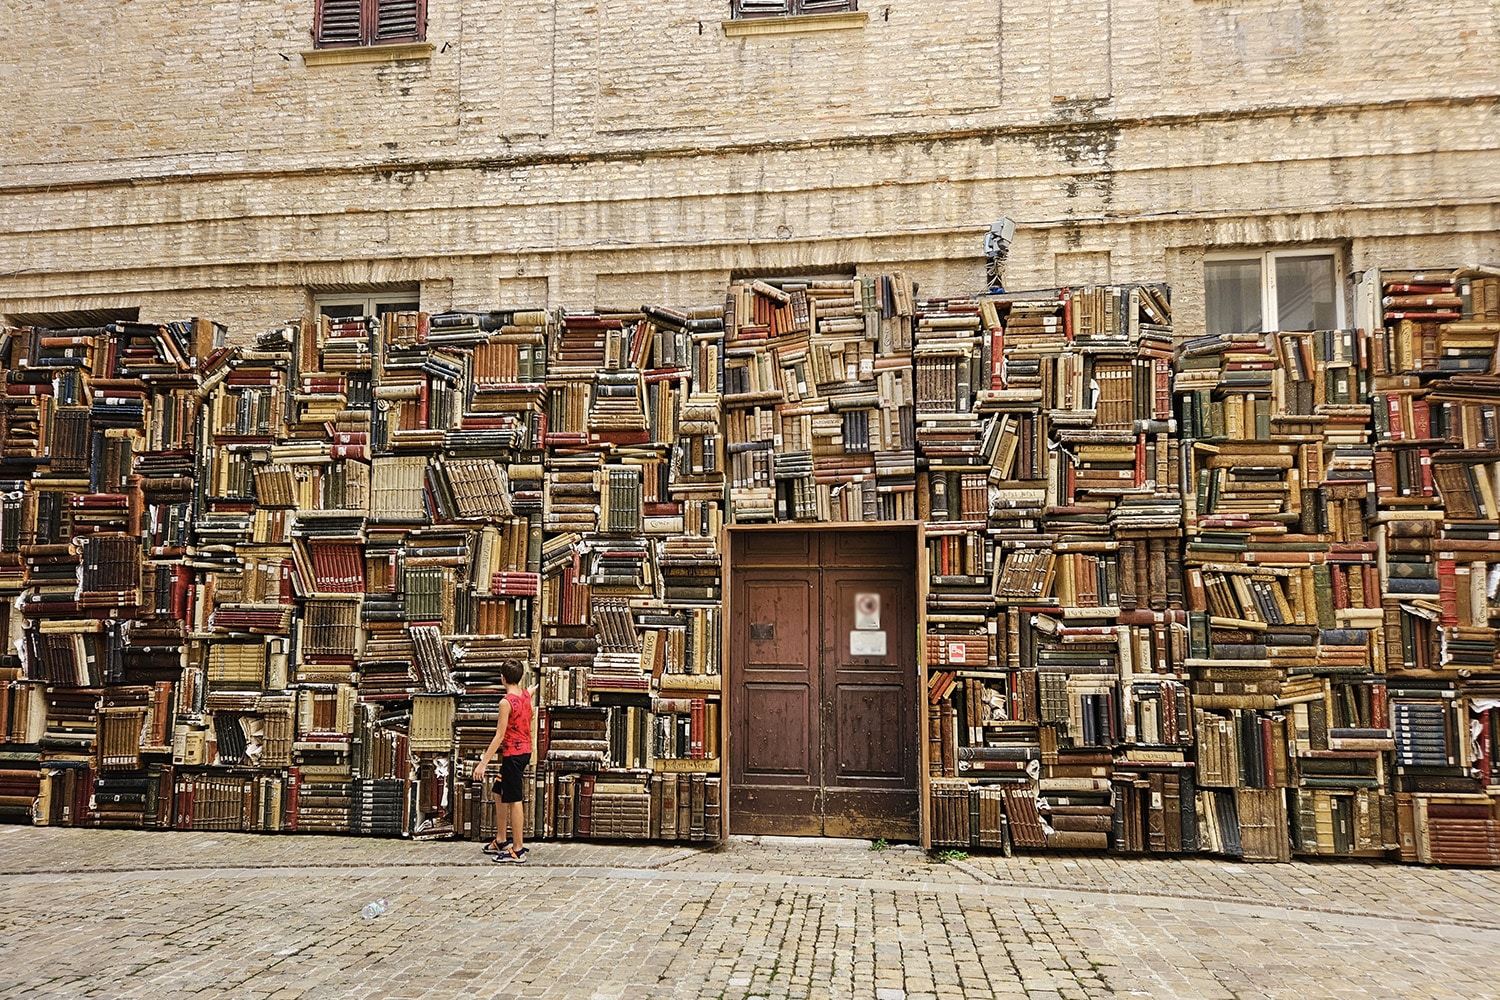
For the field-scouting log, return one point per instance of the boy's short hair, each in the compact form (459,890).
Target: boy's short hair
(512,671)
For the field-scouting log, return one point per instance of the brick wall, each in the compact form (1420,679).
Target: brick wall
(184,157)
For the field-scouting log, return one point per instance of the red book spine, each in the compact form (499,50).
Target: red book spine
(1421,418)
(83,813)
(695,729)
(543,734)
(1163,397)
(354,570)
(320,568)
(293,793)
(1340,586)
(1447,592)
(182,593)
(668,374)
(161,713)
(584,810)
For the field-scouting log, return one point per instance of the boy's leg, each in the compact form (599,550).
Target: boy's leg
(517,821)
(501,812)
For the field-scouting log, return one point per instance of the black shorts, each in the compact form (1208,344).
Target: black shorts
(512,784)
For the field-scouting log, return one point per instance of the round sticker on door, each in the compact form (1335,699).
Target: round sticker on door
(867,611)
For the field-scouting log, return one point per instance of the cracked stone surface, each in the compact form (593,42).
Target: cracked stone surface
(128,914)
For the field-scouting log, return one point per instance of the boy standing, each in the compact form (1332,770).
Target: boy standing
(513,742)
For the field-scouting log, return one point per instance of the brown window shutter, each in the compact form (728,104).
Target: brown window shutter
(761,8)
(400,21)
(826,6)
(783,8)
(338,22)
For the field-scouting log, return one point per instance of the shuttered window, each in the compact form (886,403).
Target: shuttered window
(789,8)
(338,23)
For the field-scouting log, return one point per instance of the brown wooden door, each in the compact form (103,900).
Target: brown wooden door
(823,725)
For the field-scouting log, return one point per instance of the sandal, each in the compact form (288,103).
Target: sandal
(511,857)
(501,848)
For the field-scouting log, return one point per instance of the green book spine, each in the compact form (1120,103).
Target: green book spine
(1323,584)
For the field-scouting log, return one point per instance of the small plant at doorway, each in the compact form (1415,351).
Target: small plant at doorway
(879,844)
(945,857)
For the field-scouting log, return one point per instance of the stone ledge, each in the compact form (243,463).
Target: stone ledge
(795,25)
(357,54)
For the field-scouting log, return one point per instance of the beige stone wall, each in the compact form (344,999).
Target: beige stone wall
(184,158)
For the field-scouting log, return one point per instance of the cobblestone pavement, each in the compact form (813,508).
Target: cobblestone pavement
(121,914)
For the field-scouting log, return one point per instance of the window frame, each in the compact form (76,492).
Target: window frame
(1266,257)
(369,25)
(371,302)
(792,8)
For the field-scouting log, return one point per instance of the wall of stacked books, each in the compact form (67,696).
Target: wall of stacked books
(271,588)
(1227,594)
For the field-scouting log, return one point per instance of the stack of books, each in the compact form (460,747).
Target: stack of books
(632,482)
(1232,594)
(1438,528)
(818,400)
(100,438)
(1056,625)
(1274,429)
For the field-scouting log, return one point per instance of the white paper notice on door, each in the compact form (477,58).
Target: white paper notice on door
(865,643)
(867,611)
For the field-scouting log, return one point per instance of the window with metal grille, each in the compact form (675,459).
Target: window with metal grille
(788,8)
(343,23)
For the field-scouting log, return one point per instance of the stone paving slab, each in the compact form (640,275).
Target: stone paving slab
(122,914)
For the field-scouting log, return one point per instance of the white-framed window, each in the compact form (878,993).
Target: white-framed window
(1251,291)
(346,305)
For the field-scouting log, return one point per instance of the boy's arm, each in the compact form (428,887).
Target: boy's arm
(494,747)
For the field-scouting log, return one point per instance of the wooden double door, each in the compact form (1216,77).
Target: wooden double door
(823,737)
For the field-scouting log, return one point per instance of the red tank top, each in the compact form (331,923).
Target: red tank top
(517,737)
